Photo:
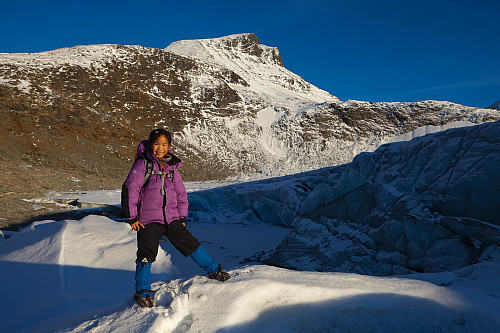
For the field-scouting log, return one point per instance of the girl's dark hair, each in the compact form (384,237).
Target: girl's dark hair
(154,135)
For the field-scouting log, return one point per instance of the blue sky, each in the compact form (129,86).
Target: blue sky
(365,50)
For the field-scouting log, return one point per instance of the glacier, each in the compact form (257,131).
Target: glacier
(426,205)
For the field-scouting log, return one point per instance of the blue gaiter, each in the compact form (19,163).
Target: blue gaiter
(205,260)
(143,277)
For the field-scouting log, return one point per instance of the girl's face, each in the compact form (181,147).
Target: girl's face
(161,147)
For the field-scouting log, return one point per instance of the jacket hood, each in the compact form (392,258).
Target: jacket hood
(144,153)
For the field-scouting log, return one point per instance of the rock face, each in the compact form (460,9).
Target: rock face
(427,205)
(71,118)
(495,105)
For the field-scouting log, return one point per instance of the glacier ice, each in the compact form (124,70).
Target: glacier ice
(427,205)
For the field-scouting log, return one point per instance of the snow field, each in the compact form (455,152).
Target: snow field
(75,268)
(77,276)
(269,299)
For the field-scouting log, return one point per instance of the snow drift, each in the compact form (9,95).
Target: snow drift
(77,276)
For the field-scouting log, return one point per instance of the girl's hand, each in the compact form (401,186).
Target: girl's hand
(137,226)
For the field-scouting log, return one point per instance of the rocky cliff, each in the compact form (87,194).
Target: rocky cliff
(495,105)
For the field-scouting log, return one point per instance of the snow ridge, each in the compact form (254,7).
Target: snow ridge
(495,105)
(261,67)
(82,55)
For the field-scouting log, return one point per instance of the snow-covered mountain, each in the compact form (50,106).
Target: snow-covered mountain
(233,108)
(495,105)
(300,127)
(268,81)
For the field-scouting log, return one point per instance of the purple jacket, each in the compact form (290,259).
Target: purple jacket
(146,203)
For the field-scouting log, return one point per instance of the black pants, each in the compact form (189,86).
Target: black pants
(148,239)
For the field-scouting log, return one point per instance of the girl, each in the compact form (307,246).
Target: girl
(156,207)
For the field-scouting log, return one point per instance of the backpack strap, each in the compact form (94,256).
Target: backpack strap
(149,170)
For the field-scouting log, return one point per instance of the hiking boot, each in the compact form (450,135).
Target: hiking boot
(144,301)
(220,275)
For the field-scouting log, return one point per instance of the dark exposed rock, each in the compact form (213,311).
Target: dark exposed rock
(495,105)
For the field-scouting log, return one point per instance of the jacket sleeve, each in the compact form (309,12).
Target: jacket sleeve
(131,189)
(182,199)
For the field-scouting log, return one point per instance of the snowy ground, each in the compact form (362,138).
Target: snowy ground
(77,276)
